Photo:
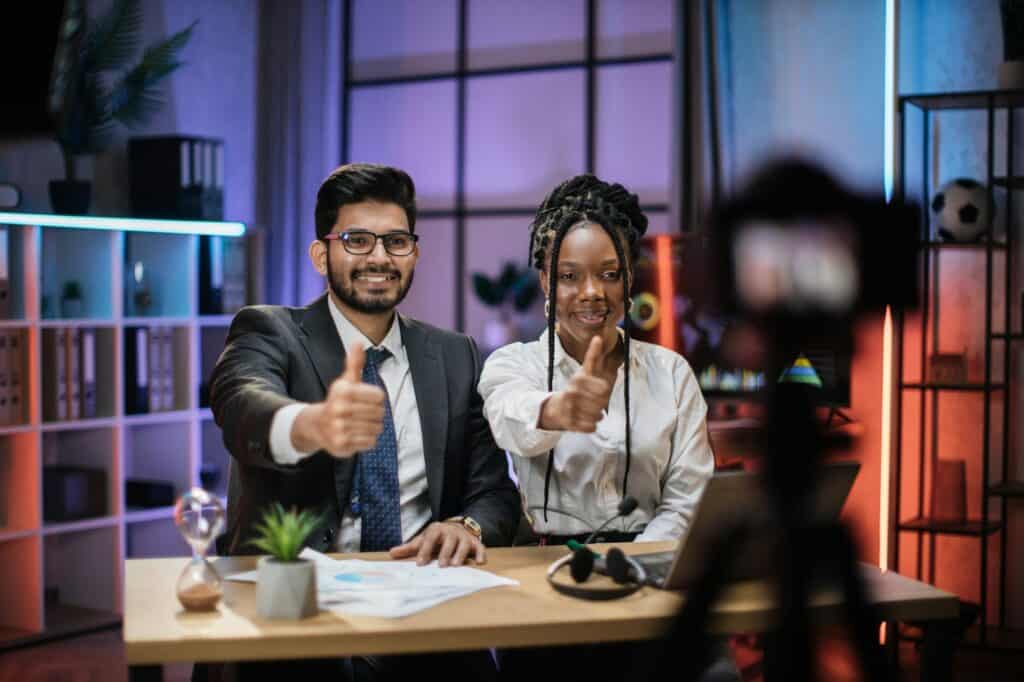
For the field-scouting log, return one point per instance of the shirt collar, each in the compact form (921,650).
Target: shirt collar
(350,334)
(563,359)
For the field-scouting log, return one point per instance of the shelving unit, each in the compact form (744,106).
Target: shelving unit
(987,522)
(63,577)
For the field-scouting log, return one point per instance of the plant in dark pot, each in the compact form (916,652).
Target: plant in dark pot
(71,300)
(1011,71)
(285,584)
(512,292)
(95,86)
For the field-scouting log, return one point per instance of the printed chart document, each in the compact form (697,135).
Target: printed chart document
(388,589)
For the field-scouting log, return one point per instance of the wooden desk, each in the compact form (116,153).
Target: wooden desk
(157,630)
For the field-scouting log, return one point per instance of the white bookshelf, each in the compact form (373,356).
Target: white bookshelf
(64,577)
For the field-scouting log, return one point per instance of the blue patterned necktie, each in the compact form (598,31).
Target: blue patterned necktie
(378,503)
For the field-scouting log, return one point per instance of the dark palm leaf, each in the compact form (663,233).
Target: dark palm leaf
(487,291)
(525,291)
(159,56)
(509,275)
(86,128)
(115,37)
(137,96)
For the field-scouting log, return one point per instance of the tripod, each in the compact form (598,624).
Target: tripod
(810,553)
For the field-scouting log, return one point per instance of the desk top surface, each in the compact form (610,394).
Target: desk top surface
(158,630)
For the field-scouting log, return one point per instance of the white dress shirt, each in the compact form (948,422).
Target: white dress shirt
(671,454)
(412,467)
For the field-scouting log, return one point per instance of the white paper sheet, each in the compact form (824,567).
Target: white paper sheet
(388,589)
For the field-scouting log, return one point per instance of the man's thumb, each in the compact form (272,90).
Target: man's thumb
(354,361)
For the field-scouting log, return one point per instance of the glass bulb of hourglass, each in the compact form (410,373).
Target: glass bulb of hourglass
(199,517)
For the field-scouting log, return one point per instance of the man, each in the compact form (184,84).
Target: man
(348,407)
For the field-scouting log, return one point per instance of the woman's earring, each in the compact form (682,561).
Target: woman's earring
(547,308)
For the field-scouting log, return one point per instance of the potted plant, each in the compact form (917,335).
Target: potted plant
(1011,71)
(285,584)
(93,87)
(513,291)
(71,300)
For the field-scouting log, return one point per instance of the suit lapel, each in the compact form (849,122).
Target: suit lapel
(426,363)
(325,350)
(322,342)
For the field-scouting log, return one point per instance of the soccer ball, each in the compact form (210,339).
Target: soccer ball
(962,210)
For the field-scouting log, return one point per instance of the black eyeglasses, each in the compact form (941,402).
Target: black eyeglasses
(362,242)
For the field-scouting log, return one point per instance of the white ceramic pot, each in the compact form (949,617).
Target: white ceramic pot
(286,589)
(499,332)
(1011,75)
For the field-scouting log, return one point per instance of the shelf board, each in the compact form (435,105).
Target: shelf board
(8,535)
(19,428)
(969,246)
(72,425)
(1001,639)
(152,514)
(1014,182)
(936,386)
(215,320)
(13,637)
(57,323)
(63,619)
(50,528)
(153,321)
(123,224)
(16,324)
(971,527)
(1009,489)
(1012,336)
(977,99)
(206,414)
(158,417)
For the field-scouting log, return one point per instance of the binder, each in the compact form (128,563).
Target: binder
(53,383)
(5,274)
(136,374)
(17,348)
(60,397)
(167,367)
(155,380)
(234,287)
(211,275)
(5,388)
(88,381)
(74,379)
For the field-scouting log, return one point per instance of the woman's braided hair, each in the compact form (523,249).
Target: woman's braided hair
(586,198)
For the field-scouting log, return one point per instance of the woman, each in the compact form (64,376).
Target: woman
(561,405)
(585,428)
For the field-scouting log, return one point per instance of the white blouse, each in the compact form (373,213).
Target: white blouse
(671,454)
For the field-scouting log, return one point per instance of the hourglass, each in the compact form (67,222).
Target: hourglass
(200,517)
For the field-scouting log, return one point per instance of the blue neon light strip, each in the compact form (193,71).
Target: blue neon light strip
(889,99)
(80,222)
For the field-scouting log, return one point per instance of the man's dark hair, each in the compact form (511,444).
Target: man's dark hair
(356,182)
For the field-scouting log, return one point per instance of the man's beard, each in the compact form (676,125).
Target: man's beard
(345,289)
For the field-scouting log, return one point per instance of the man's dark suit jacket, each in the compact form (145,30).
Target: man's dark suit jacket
(275,356)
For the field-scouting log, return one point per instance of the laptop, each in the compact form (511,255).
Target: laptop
(729,497)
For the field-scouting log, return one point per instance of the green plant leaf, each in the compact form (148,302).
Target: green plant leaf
(281,533)
(114,38)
